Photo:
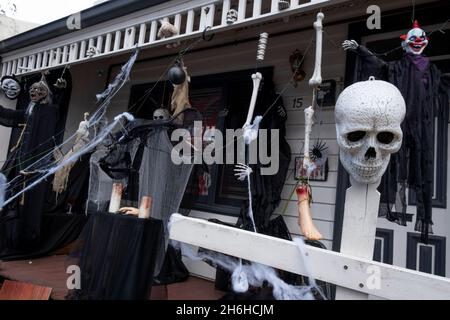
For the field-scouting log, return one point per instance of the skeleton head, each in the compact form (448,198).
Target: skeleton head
(415,40)
(161,114)
(39,92)
(368,118)
(10,87)
(232,16)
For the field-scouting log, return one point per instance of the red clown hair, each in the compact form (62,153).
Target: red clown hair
(415,25)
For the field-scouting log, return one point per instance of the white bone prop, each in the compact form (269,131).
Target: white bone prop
(314,82)
(316,78)
(116,197)
(145,207)
(256,77)
(262,45)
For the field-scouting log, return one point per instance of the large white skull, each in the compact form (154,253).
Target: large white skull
(368,118)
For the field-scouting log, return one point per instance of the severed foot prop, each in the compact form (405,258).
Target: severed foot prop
(304,213)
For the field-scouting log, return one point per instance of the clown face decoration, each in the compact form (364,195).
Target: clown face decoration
(415,40)
(10,87)
(161,114)
(39,92)
(368,118)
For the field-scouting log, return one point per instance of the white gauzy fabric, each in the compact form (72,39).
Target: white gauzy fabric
(163,180)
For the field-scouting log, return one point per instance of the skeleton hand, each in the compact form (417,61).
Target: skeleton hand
(242,171)
(350,45)
(130,210)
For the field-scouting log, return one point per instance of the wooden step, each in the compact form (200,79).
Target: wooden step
(15,290)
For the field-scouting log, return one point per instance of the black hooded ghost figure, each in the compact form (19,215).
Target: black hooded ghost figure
(426,93)
(20,219)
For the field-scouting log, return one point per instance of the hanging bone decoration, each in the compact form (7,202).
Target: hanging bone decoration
(304,191)
(250,130)
(262,45)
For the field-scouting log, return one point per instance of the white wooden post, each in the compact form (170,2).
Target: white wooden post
(225,9)
(242,7)
(153,31)
(108,42)
(359,227)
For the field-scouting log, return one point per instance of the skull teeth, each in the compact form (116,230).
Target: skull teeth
(367,171)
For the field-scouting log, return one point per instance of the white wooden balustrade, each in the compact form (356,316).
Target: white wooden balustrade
(140,29)
(358,274)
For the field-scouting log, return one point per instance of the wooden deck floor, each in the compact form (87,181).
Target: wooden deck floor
(51,272)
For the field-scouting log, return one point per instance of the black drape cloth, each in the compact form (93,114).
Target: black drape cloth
(117,256)
(425,91)
(58,231)
(74,198)
(34,134)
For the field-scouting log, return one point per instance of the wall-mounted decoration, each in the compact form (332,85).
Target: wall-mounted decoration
(319,157)
(326,97)
(320,173)
(296,61)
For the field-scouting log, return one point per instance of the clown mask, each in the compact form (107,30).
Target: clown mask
(415,40)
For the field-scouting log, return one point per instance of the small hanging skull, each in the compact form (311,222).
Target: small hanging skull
(368,118)
(10,87)
(161,114)
(232,16)
(39,92)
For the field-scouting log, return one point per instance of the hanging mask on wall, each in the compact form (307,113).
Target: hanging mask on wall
(415,41)
(39,92)
(10,87)
(161,114)
(296,61)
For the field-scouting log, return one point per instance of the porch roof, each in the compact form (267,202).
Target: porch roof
(107,36)
(94,15)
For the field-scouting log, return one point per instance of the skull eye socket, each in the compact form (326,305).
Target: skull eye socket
(355,136)
(385,137)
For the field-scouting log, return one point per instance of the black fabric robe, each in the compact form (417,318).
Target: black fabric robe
(20,220)
(426,93)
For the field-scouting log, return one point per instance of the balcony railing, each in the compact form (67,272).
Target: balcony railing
(122,34)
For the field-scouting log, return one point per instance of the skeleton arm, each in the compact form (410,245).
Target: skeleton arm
(364,53)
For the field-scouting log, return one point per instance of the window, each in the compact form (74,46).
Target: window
(223,101)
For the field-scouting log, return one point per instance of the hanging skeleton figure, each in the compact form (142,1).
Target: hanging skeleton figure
(304,190)
(82,138)
(426,93)
(20,219)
